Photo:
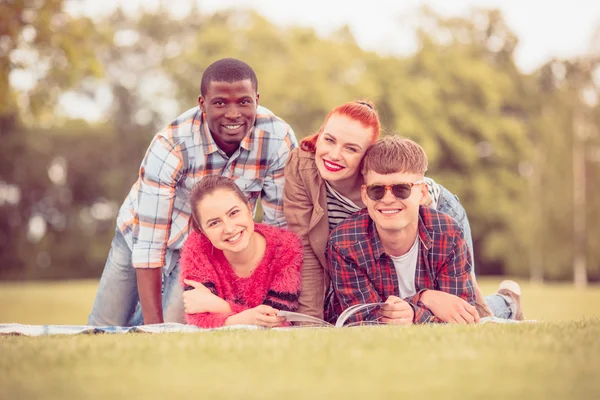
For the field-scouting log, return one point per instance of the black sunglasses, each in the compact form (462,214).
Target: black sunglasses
(399,190)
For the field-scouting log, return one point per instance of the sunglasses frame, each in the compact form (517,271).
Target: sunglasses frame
(390,188)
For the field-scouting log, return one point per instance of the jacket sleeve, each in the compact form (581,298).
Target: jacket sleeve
(196,266)
(285,284)
(298,208)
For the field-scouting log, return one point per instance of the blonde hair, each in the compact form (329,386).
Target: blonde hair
(393,154)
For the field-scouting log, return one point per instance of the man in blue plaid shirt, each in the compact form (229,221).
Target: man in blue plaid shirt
(227,134)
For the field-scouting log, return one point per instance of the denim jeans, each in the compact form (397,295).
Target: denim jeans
(117,299)
(501,306)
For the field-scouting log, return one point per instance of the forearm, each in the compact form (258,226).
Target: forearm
(149,282)
(419,302)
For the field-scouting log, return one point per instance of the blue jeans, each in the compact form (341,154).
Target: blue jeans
(501,306)
(448,203)
(117,299)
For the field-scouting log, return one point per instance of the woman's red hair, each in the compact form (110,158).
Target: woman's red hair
(360,111)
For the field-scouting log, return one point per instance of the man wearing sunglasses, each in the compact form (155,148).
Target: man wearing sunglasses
(398,251)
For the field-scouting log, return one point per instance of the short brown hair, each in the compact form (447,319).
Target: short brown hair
(393,154)
(208,185)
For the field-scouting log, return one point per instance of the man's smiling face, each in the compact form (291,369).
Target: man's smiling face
(392,214)
(230,109)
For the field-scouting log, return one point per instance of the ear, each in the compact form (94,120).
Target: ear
(257,97)
(363,194)
(425,199)
(201,103)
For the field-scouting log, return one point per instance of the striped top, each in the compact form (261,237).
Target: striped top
(154,217)
(339,207)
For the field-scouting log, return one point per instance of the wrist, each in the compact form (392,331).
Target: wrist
(425,297)
(235,319)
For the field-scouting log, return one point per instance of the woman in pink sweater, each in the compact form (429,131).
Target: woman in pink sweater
(245,272)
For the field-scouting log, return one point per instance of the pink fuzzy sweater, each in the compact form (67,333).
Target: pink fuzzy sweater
(274,282)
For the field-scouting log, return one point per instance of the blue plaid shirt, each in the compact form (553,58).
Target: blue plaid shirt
(154,217)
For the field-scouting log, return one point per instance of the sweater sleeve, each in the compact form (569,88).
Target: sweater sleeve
(285,285)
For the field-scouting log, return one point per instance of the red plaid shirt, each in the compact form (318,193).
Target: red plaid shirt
(361,272)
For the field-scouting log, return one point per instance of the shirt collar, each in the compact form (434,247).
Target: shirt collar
(424,235)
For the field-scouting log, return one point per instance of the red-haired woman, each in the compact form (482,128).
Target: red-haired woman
(322,188)
(245,272)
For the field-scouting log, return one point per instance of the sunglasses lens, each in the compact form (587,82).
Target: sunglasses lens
(376,192)
(401,190)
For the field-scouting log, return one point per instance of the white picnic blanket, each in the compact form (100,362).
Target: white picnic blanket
(46,330)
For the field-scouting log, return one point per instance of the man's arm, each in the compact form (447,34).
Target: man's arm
(351,285)
(454,278)
(159,173)
(149,282)
(272,192)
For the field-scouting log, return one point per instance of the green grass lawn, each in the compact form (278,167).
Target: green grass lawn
(558,357)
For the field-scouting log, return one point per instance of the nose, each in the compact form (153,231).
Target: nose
(232,112)
(335,153)
(228,226)
(388,197)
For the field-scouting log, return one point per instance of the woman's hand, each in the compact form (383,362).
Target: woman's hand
(261,315)
(201,300)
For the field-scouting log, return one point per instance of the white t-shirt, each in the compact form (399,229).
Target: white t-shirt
(406,267)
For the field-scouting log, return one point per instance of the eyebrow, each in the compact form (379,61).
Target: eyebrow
(347,144)
(214,219)
(222,98)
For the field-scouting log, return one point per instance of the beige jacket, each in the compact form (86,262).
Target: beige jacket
(305,210)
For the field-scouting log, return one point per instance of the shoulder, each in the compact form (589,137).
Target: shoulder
(272,124)
(194,251)
(302,160)
(276,236)
(353,229)
(436,222)
(180,129)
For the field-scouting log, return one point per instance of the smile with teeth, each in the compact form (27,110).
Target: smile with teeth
(332,166)
(390,212)
(235,239)
(232,127)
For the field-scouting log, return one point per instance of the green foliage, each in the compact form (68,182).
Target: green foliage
(499,139)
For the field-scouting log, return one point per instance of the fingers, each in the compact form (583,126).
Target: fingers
(264,309)
(473,311)
(269,320)
(396,308)
(465,314)
(192,283)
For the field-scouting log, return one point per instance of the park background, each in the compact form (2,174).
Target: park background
(83,89)
(505,102)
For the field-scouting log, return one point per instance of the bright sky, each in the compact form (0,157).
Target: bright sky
(546,28)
